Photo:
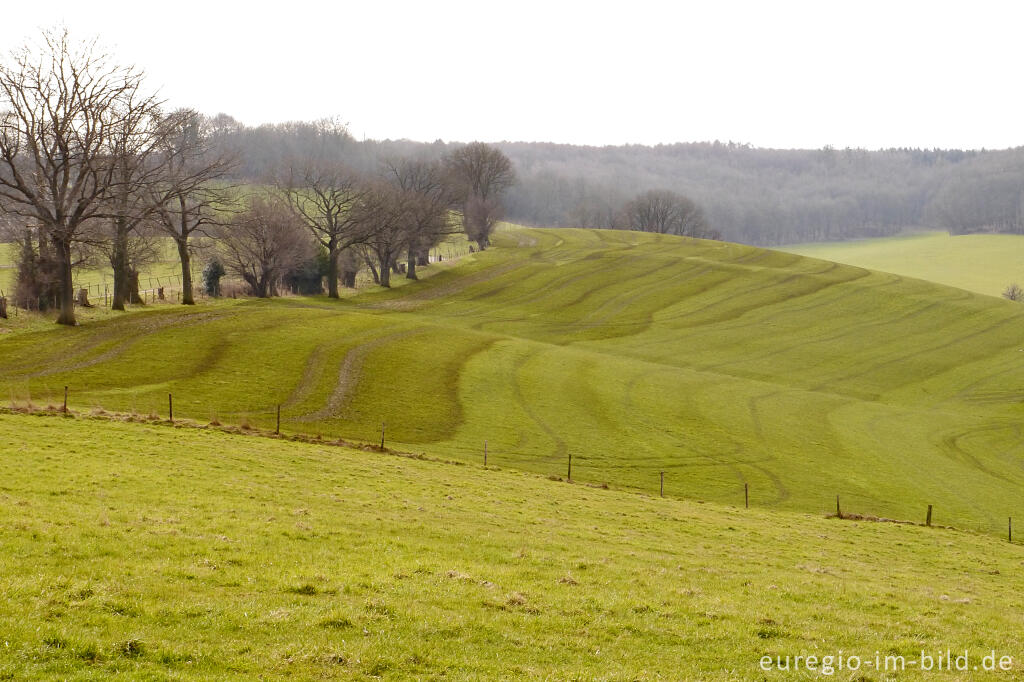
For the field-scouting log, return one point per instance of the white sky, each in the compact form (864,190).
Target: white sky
(774,73)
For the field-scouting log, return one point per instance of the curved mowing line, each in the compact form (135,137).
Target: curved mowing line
(561,449)
(918,352)
(119,349)
(420,298)
(348,375)
(113,330)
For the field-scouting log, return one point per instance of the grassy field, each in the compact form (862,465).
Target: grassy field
(718,364)
(983,263)
(142,551)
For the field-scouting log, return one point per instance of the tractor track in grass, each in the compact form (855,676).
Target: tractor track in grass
(561,449)
(349,373)
(916,353)
(139,331)
(457,285)
(316,364)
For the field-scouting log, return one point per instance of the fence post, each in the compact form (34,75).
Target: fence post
(485,453)
(382,425)
(839,511)
(928,521)
(65,400)
(277,431)
(569,475)
(170,408)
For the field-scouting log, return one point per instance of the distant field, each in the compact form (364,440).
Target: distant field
(136,551)
(984,263)
(719,364)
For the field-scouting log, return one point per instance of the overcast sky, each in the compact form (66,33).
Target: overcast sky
(770,73)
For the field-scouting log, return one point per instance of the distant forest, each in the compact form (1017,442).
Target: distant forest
(749,195)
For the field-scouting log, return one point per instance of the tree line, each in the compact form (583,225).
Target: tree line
(91,166)
(746,194)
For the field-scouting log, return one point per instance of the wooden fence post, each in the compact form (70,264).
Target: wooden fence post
(170,408)
(65,400)
(382,424)
(839,511)
(928,521)
(569,475)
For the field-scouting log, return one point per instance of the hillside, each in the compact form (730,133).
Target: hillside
(721,365)
(983,263)
(139,551)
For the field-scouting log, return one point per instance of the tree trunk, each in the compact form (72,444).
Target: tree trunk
(349,278)
(332,272)
(423,259)
(385,272)
(67,297)
(410,270)
(373,271)
(186,272)
(119,264)
(131,288)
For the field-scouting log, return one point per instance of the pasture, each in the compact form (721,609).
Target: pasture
(982,263)
(718,364)
(142,551)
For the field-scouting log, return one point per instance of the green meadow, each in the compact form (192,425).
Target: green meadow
(144,551)
(721,365)
(983,263)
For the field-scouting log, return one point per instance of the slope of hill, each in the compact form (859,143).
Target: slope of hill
(983,263)
(138,551)
(718,364)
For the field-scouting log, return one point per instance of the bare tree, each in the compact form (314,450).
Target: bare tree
(262,243)
(482,174)
(322,194)
(61,106)
(192,195)
(382,214)
(666,212)
(139,166)
(429,198)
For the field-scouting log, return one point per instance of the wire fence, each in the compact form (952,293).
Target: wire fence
(645,480)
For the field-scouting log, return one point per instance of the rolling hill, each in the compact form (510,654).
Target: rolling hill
(721,365)
(141,551)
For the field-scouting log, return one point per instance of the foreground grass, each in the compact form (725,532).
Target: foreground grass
(718,364)
(983,263)
(135,551)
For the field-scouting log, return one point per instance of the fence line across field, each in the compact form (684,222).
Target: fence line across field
(468,454)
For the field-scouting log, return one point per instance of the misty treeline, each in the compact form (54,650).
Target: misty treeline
(771,197)
(746,194)
(92,167)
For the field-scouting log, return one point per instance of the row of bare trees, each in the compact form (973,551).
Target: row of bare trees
(89,159)
(90,163)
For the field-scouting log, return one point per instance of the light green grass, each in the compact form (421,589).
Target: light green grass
(719,364)
(165,271)
(983,263)
(137,551)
